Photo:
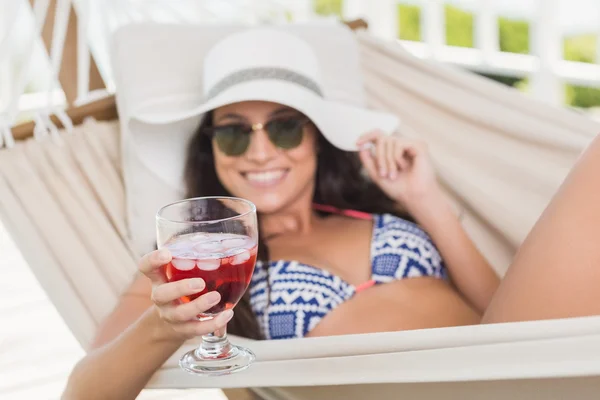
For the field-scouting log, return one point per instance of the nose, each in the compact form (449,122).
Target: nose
(260,150)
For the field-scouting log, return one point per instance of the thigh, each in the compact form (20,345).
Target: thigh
(556,273)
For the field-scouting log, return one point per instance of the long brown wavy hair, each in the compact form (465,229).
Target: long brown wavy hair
(340,182)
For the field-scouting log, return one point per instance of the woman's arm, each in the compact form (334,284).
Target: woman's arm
(143,331)
(468,269)
(122,367)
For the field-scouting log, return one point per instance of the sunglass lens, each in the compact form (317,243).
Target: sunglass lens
(286,134)
(232,140)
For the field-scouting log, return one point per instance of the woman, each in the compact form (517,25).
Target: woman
(365,267)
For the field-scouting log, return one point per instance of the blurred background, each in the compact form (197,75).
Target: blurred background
(547,49)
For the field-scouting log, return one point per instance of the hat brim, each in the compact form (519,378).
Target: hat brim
(340,123)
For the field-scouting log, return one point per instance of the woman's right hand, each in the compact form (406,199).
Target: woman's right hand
(180,318)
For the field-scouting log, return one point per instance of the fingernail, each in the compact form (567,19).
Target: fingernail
(212,297)
(224,317)
(393,175)
(164,255)
(365,146)
(197,283)
(382,173)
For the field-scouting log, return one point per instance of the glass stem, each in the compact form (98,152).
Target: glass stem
(214,345)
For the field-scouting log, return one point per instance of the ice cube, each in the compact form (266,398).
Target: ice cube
(233,243)
(198,237)
(184,253)
(183,264)
(176,247)
(240,258)
(207,246)
(232,252)
(208,264)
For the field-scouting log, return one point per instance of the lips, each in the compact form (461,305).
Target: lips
(265,178)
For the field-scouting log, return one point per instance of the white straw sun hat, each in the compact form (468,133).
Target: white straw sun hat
(273,65)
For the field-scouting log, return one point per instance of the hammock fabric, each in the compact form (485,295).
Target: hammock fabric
(500,155)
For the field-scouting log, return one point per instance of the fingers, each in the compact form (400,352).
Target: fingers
(416,149)
(391,149)
(150,264)
(178,313)
(182,317)
(415,154)
(167,293)
(376,143)
(373,154)
(369,137)
(381,159)
(368,161)
(387,156)
(198,328)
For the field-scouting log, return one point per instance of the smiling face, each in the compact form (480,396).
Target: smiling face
(274,179)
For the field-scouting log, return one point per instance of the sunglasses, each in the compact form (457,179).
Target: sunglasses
(234,139)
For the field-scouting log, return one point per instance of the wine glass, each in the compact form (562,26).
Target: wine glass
(216,239)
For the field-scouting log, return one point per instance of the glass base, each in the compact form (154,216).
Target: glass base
(235,360)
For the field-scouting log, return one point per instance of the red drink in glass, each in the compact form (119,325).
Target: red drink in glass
(215,239)
(224,261)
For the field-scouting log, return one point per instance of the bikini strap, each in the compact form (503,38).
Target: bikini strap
(348,213)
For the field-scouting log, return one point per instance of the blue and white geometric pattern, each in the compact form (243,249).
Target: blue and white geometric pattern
(400,249)
(299,296)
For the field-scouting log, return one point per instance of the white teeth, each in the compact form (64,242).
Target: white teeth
(265,177)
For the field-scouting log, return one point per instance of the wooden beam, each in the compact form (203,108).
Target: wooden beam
(357,24)
(68,71)
(102,110)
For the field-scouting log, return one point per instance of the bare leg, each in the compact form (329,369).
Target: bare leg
(556,273)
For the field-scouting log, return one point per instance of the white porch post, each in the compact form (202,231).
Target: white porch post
(7,40)
(433,25)
(302,10)
(486,29)
(546,44)
(353,9)
(598,38)
(6,87)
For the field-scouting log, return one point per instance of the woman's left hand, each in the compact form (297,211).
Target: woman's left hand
(400,167)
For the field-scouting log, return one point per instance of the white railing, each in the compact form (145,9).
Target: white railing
(545,67)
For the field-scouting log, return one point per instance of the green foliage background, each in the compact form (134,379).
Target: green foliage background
(513,35)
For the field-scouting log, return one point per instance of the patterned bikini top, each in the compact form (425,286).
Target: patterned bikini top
(290,298)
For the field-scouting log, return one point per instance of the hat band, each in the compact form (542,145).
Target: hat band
(252,74)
